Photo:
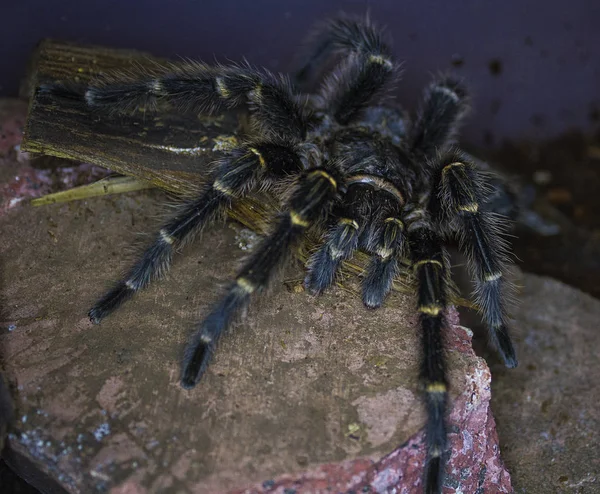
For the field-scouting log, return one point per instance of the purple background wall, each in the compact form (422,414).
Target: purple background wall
(533,65)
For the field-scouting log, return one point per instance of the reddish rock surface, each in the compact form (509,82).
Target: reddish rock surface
(475,465)
(23,178)
(308,394)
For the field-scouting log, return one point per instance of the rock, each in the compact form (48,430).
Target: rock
(301,385)
(475,465)
(547,409)
(305,394)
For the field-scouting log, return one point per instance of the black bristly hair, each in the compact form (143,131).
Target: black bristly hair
(341,36)
(446,102)
(462,191)
(361,172)
(364,69)
(431,271)
(234,176)
(314,195)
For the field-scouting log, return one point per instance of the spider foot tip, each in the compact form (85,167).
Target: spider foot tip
(510,361)
(95,316)
(434,476)
(65,90)
(316,285)
(372,300)
(506,349)
(187,382)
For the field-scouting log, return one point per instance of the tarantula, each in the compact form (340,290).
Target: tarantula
(361,172)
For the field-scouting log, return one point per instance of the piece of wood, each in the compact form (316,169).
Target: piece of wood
(167,149)
(172,151)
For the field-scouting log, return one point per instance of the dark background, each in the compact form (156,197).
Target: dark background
(530,63)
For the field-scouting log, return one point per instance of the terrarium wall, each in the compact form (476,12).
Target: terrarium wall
(530,63)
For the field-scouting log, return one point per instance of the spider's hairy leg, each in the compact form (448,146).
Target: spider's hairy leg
(446,102)
(503,197)
(344,34)
(462,190)
(355,83)
(314,195)
(429,264)
(341,241)
(201,88)
(233,177)
(386,244)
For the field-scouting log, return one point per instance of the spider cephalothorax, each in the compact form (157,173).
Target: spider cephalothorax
(368,177)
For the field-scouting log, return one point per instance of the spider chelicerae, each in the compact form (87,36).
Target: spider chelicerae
(363,174)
